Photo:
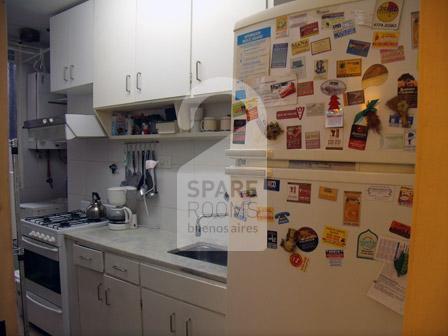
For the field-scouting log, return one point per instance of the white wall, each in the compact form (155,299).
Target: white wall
(89,160)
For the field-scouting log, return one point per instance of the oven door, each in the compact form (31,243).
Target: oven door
(41,264)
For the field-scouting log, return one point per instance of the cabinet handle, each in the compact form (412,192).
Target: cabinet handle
(128,78)
(98,292)
(85,258)
(106,294)
(173,323)
(138,81)
(118,268)
(65,74)
(188,327)
(197,70)
(71,72)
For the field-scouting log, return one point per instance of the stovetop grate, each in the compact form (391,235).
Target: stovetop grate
(61,220)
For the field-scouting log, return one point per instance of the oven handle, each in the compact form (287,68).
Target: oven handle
(28,241)
(54,310)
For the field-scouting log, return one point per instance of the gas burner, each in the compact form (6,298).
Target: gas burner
(61,220)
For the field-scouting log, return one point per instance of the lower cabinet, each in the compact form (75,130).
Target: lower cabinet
(123,307)
(119,296)
(107,306)
(166,316)
(92,313)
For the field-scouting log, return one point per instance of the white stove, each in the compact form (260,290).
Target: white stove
(50,228)
(45,268)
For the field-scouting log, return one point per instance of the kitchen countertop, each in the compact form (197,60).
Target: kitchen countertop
(148,245)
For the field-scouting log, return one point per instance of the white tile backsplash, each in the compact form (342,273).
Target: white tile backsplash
(88,166)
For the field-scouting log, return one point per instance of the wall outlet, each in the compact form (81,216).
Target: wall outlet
(164,162)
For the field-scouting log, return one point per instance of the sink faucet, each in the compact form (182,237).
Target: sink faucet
(198,230)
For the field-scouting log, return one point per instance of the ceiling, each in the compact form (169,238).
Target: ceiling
(34,14)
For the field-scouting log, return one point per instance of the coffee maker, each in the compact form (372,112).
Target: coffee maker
(122,215)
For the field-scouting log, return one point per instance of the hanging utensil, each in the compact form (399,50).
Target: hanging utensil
(142,166)
(153,154)
(149,178)
(49,179)
(134,178)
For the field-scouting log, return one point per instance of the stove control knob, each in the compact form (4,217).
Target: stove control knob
(40,235)
(32,233)
(52,239)
(47,238)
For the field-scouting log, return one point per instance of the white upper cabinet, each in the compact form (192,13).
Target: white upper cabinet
(162,58)
(212,41)
(114,54)
(71,48)
(149,50)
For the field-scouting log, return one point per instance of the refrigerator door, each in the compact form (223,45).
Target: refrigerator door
(330,296)
(292,60)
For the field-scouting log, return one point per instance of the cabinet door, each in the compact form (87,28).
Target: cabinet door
(59,45)
(195,321)
(80,60)
(163,49)
(123,308)
(114,27)
(159,314)
(91,297)
(212,41)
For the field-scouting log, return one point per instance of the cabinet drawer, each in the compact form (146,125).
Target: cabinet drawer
(87,257)
(122,268)
(191,289)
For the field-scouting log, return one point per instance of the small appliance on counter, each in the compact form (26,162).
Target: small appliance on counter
(122,215)
(96,210)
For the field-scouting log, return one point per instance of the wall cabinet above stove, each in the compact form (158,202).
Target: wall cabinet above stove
(71,48)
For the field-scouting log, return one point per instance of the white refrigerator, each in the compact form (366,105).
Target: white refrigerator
(324,111)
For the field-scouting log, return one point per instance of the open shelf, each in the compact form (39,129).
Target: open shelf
(176,136)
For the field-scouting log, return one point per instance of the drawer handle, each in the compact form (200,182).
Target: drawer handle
(120,269)
(173,323)
(106,293)
(188,327)
(98,292)
(85,258)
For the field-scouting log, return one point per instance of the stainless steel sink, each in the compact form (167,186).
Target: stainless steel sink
(203,251)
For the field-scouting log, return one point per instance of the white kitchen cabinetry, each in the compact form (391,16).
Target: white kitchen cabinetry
(107,306)
(212,42)
(92,313)
(143,48)
(142,51)
(165,316)
(123,308)
(114,54)
(71,48)
(162,57)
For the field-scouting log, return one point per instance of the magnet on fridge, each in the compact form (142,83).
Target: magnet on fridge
(282,217)
(367,241)
(289,242)
(272,185)
(272,239)
(306,239)
(299,261)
